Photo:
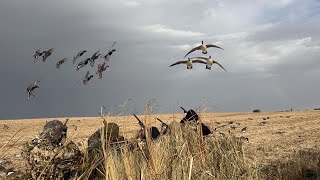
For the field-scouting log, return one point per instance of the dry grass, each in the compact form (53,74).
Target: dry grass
(182,155)
(278,150)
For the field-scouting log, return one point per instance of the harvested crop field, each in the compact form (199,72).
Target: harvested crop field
(273,137)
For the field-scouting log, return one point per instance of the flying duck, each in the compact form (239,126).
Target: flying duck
(94,57)
(83,63)
(36,55)
(78,55)
(189,62)
(107,56)
(101,68)
(46,54)
(61,62)
(203,48)
(31,88)
(87,78)
(210,62)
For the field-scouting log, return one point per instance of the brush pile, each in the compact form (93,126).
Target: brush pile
(50,155)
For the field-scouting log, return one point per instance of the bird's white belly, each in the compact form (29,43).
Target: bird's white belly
(189,64)
(203,48)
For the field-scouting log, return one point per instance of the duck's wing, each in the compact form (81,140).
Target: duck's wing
(50,50)
(32,85)
(114,44)
(95,55)
(99,66)
(198,61)
(100,74)
(87,74)
(194,49)
(91,62)
(212,45)
(178,62)
(219,65)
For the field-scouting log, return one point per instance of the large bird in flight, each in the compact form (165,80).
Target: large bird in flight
(83,63)
(210,62)
(78,55)
(87,78)
(203,47)
(101,68)
(93,58)
(31,88)
(61,62)
(188,62)
(107,56)
(47,54)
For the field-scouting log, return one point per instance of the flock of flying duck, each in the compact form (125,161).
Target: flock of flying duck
(102,67)
(91,60)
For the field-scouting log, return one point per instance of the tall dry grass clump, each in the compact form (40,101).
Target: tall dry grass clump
(183,154)
(304,164)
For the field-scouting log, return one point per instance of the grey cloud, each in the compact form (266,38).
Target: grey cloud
(139,68)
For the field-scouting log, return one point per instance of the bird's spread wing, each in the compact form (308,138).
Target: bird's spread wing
(219,65)
(114,44)
(35,83)
(50,50)
(95,54)
(196,48)
(178,62)
(99,66)
(32,85)
(205,58)
(87,74)
(198,61)
(212,45)
(91,62)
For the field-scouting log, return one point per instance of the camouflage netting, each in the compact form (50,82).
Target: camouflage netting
(50,155)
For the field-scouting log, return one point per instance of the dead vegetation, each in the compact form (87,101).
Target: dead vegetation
(180,153)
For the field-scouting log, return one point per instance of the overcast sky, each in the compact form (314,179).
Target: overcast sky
(272,50)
